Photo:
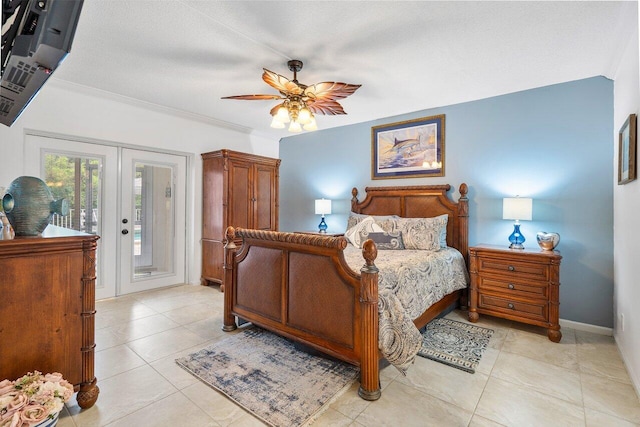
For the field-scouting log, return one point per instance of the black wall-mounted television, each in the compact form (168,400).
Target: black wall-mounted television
(36,37)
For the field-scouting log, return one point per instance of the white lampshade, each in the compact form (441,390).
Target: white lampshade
(294,126)
(276,124)
(323,207)
(304,116)
(518,208)
(311,125)
(283,115)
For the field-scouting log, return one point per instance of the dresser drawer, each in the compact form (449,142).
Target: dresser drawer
(531,310)
(515,287)
(521,269)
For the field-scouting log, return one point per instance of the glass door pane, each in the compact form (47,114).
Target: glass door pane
(76,179)
(153,220)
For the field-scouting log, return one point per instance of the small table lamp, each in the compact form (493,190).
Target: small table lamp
(517,208)
(323,207)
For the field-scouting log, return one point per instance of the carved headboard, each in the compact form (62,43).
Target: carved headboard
(423,201)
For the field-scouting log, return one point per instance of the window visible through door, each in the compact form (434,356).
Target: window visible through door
(76,179)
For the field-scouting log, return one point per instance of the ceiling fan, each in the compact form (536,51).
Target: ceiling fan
(301,102)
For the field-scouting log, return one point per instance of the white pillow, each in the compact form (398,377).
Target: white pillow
(353,234)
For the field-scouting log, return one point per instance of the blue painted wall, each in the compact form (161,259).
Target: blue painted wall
(554,144)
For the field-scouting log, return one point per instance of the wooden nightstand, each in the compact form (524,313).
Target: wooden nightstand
(516,284)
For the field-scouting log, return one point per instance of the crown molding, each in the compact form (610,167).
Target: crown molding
(99,93)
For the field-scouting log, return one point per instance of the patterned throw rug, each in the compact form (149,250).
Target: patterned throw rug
(455,343)
(269,377)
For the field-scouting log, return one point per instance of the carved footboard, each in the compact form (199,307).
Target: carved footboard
(299,286)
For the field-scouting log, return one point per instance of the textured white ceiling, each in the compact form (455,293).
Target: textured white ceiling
(185,55)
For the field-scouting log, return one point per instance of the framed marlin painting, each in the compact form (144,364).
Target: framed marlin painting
(409,149)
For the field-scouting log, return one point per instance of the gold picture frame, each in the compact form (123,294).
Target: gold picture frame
(627,151)
(408,149)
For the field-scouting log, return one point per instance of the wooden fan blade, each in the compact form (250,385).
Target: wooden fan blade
(281,83)
(330,90)
(253,97)
(328,107)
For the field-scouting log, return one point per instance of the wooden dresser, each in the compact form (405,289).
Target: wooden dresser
(516,284)
(47,308)
(239,190)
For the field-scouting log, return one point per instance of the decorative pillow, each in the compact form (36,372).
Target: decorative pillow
(384,221)
(443,232)
(384,240)
(423,233)
(353,234)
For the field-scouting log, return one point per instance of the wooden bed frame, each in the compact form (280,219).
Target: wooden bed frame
(299,286)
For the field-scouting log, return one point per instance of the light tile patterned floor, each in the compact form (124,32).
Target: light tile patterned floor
(523,379)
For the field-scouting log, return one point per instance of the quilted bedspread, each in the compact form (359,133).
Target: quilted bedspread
(409,282)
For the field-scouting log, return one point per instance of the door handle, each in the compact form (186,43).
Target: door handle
(125,231)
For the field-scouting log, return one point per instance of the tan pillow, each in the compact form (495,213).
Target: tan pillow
(423,233)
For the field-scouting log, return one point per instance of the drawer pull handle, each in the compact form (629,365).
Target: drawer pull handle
(510,286)
(512,268)
(510,305)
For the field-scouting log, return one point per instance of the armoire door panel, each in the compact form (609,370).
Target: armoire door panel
(212,250)
(263,195)
(212,203)
(240,195)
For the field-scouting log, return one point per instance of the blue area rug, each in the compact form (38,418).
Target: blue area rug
(269,377)
(455,343)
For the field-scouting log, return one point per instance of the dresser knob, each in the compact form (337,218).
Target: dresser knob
(510,286)
(510,305)
(512,268)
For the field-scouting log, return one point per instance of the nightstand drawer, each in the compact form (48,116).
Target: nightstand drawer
(535,311)
(518,268)
(514,287)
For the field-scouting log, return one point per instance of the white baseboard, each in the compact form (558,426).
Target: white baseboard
(600,330)
(633,375)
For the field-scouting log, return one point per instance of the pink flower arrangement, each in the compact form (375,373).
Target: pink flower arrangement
(32,399)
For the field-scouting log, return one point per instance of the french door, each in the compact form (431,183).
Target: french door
(152,220)
(134,200)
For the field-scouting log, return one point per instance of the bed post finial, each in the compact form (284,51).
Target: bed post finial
(464,189)
(370,253)
(230,236)
(354,199)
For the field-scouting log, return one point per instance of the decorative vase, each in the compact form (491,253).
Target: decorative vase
(29,205)
(49,422)
(547,241)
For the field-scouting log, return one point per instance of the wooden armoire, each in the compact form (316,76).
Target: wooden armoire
(239,190)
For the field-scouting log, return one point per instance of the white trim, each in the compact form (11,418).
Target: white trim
(600,330)
(87,90)
(635,379)
(87,140)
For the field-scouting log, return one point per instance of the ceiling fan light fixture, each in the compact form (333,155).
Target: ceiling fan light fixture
(294,126)
(276,124)
(311,125)
(304,116)
(299,102)
(283,114)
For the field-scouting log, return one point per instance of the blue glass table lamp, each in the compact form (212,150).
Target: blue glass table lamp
(323,207)
(517,208)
